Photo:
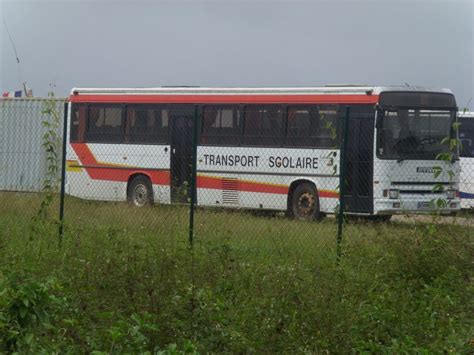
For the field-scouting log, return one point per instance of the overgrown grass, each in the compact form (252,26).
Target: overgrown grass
(124,280)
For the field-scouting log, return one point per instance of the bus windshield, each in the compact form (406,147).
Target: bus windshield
(414,133)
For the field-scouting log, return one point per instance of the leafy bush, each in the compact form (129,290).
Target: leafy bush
(25,307)
(114,288)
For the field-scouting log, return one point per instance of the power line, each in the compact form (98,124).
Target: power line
(15,51)
(11,41)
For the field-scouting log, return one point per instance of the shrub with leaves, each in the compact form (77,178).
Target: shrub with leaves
(25,307)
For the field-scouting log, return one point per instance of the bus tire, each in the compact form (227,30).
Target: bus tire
(305,202)
(140,191)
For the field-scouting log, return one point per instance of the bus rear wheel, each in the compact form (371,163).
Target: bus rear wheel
(305,202)
(140,192)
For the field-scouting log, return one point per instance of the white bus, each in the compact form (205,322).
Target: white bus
(466,158)
(264,148)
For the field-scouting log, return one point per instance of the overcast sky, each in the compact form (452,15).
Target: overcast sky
(102,43)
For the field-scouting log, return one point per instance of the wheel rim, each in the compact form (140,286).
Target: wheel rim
(140,195)
(306,204)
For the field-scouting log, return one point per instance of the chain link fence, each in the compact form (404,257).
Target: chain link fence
(261,172)
(123,175)
(466,139)
(30,151)
(222,223)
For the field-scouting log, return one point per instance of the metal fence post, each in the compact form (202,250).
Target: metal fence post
(193,177)
(342,181)
(63,175)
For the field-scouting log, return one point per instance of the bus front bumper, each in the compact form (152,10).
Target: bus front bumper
(407,205)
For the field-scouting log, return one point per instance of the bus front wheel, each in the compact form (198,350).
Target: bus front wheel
(140,192)
(305,202)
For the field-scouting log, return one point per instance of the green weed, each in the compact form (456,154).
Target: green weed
(125,281)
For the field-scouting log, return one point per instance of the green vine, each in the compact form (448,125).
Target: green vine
(448,157)
(51,143)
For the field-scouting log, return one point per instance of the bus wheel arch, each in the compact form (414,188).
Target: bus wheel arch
(303,200)
(139,190)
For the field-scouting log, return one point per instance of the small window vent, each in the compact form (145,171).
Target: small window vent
(230,191)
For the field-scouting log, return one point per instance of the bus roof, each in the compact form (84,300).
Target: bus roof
(194,90)
(227,95)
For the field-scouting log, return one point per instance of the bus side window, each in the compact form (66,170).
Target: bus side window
(263,126)
(146,124)
(326,126)
(77,126)
(252,125)
(466,136)
(220,126)
(299,132)
(104,123)
(209,119)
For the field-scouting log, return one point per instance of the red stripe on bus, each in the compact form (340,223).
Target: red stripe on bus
(215,183)
(227,98)
(259,187)
(104,171)
(99,173)
(328,194)
(206,182)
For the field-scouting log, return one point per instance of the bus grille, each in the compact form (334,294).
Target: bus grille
(230,191)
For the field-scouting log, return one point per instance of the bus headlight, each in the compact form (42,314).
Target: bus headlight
(393,194)
(451,194)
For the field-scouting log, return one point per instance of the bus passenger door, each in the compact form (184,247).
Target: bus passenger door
(181,153)
(359,160)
